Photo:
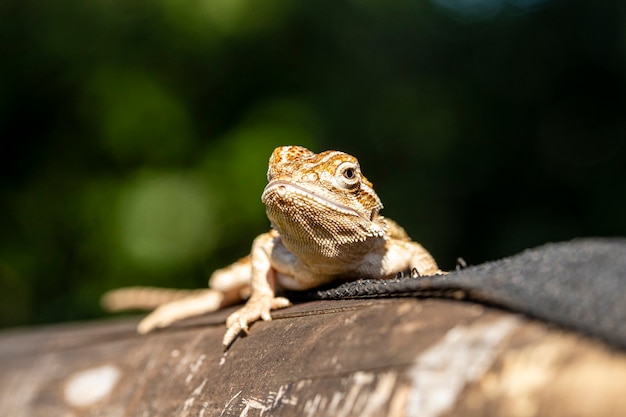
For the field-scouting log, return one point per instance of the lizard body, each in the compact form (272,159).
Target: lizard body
(326,227)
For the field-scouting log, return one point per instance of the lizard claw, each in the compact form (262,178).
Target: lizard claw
(255,309)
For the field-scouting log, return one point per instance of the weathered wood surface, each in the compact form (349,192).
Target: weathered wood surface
(392,357)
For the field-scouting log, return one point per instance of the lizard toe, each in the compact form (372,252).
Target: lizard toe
(151,322)
(254,310)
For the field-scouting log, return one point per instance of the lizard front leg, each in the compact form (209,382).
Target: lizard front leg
(400,255)
(263,285)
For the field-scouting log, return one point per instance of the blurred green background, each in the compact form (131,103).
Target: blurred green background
(136,134)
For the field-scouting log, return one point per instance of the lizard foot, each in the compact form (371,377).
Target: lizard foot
(255,309)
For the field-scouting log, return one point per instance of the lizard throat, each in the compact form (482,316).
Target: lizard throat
(289,191)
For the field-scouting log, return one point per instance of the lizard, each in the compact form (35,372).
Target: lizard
(326,227)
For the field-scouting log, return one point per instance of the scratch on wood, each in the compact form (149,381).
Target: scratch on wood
(278,397)
(229,402)
(252,403)
(311,407)
(194,367)
(196,392)
(205,405)
(379,397)
(360,379)
(368,395)
(334,402)
(272,401)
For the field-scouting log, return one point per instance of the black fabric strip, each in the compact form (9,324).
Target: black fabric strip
(580,284)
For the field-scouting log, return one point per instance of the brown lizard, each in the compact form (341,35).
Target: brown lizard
(326,227)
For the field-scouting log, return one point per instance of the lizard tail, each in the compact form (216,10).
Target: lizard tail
(143,298)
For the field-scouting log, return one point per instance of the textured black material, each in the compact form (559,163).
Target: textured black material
(579,284)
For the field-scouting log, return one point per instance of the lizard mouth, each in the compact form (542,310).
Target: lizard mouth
(292,192)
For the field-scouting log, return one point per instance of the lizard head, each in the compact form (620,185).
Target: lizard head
(325,195)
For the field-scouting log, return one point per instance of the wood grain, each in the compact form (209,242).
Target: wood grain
(392,357)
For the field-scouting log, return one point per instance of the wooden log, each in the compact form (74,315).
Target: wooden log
(391,357)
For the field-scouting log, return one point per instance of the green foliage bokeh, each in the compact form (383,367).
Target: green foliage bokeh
(136,135)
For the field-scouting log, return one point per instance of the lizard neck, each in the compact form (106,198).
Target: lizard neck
(327,247)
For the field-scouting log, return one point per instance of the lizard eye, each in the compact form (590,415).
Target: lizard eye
(348,175)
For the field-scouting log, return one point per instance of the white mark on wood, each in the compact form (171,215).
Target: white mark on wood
(175,353)
(369,393)
(379,397)
(334,403)
(254,404)
(441,372)
(278,397)
(360,380)
(229,402)
(312,407)
(223,359)
(273,400)
(194,367)
(205,406)
(189,401)
(89,386)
